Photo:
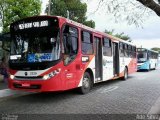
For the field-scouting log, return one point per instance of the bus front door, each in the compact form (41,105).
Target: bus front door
(115,59)
(98,59)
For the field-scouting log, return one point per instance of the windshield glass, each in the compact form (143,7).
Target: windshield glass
(142,56)
(35,45)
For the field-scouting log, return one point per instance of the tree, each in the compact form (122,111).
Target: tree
(156,49)
(12,10)
(77,10)
(89,23)
(119,35)
(152,5)
(134,12)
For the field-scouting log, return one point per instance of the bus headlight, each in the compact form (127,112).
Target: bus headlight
(45,77)
(52,74)
(12,77)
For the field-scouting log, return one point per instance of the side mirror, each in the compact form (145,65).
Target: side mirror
(52,41)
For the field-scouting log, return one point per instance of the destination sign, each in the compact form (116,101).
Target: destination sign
(33,24)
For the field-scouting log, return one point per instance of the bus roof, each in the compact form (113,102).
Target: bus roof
(149,50)
(113,38)
(95,31)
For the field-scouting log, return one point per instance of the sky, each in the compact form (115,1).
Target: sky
(147,35)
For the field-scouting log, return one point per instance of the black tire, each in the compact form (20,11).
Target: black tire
(86,84)
(125,77)
(155,67)
(149,68)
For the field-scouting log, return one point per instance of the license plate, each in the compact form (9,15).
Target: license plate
(25,85)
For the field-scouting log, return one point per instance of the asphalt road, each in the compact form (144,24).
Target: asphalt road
(134,98)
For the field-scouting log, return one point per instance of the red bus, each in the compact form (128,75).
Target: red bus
(51,53)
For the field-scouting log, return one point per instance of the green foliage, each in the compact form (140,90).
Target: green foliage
(77,10)
(130,12)
(156,49)
(12,10)
(90,23)
(58,7)
(122,36)
(119,35)
(109,32)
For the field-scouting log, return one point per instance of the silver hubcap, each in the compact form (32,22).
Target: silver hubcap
(125,74)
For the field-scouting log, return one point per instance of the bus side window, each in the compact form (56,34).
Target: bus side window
(87,43)
(125,50)
(149,55)
(70,43)
(121,49)
(129,51)
(134,51)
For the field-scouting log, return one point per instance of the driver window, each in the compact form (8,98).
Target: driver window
(70,43)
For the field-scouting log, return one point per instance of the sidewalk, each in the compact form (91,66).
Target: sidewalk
(3,85)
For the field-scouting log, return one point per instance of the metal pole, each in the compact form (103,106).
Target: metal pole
(68,14)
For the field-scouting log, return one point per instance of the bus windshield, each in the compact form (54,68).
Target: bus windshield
(142,56)
(35,44)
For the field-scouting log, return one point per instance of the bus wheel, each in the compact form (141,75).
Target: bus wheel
(86,83)
(155,67)
(125,74)
(149,68)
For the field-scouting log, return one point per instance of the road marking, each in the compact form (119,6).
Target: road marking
(109,89)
